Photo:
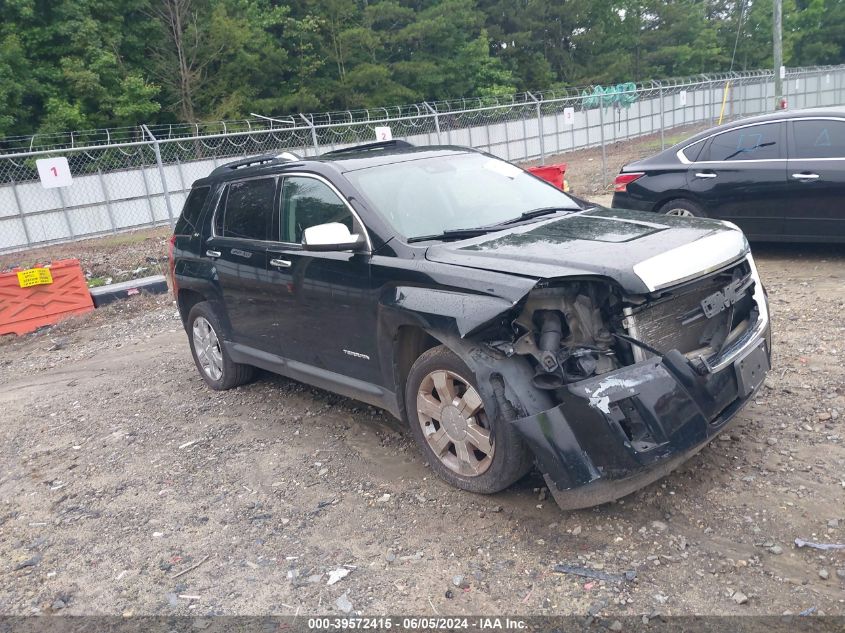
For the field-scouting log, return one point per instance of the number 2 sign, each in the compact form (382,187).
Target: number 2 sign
(54,172)
(384,134)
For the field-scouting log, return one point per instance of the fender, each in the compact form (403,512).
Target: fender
(201,276)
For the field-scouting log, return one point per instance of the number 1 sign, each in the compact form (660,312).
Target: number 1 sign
(54,172)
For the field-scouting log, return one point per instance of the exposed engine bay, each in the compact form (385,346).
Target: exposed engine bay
(580,329)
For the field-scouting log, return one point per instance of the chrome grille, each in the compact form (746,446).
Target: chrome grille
(665,325)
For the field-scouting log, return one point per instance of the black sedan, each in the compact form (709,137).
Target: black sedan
(779,177)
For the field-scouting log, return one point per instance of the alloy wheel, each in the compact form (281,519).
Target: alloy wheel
(207,348)
(451,414)
(681,212)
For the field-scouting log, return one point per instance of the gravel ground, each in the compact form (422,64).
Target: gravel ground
(128,487)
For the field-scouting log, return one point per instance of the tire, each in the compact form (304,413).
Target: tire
(212,359)
(491,456)
(682,207)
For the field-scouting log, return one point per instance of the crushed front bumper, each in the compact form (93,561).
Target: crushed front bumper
(615,433)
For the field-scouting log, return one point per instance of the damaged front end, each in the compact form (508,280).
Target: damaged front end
(613,390)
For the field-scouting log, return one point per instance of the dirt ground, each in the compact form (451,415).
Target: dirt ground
(128,487)
(584,167)
(104,260)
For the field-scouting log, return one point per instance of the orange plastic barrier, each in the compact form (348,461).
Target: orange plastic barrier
(552,173)
(41,296)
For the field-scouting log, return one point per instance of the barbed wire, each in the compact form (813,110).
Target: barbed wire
(584,96)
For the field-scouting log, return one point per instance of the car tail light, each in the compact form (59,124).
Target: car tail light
(171,260)
(623,180)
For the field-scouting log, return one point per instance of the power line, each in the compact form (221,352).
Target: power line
(738,29)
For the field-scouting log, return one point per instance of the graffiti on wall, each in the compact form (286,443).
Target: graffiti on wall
(618,96)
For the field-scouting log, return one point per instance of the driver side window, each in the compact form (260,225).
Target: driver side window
(307,202)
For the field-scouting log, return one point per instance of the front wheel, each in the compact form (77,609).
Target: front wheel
(683,208)
(465,445)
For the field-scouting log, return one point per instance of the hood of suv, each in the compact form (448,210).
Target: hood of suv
(640,251)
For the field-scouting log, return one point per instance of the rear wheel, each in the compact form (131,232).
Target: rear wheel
(465,445)
(683,208)
(210,356)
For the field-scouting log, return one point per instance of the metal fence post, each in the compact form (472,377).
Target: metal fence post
(21,214)
(603,149)
(157,151)
(525,137)
(487,133)
(437,124)
(313,133)
(507,141)
(107,199)
(149,197)
(662,118)
(540,129)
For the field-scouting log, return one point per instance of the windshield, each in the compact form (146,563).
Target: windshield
(428,196)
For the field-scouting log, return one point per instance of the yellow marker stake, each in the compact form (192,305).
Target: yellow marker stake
(724,101)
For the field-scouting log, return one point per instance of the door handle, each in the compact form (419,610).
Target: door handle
(211,253)
(705,174)
(280,263)
(805,176)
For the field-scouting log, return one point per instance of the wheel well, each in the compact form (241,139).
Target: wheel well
(186,300)
(677,196)
(410,343)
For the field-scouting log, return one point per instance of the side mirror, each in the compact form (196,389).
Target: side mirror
(332,236)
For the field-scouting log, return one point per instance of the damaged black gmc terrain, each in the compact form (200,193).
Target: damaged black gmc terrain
(508,324)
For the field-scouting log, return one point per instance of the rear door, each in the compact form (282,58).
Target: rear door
(741,176)
(238,245)
(816,209)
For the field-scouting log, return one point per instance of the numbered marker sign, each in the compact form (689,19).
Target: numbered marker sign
(682,96)
(569,116)
(384,134)
(783,72)
(54,172)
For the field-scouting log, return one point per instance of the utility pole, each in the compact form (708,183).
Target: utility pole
(777,36)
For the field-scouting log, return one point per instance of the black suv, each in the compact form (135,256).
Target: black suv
(506,323)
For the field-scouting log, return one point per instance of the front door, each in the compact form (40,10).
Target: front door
(741,177)
(816,180)
(325,309)
(239,247)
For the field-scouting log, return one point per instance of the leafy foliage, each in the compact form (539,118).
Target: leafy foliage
(74,64)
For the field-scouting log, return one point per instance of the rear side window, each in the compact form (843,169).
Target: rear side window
(189,220)
(248,209)
(758,142)
(819,139)
(693,151)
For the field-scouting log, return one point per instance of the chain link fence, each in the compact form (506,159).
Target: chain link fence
(134,177)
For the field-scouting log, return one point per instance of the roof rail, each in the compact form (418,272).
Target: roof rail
(256,160)
(369,147)
(247,162)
